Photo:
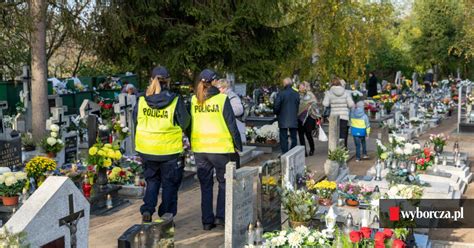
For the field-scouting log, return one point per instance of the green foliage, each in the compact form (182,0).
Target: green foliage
(340,155)
(299,205)
(9,239)
(187,37)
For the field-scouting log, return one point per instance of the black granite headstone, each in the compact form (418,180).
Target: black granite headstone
(92,129)
(270,197)
(70,149)
(10,153)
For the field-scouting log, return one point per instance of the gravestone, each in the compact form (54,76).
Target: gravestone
(156,234)
(4,131)
(19,123)
(239,204)
(25,97)
(330,170)
(70,147)
(125,108)
(10,153)
(55,213)
(268,197)
(293,167)
(89,110)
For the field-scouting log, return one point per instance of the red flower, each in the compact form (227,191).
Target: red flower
(101,103)
(379,237)
(355,236)
(366,232)
(388,232)
(398,244)
(427,152)
(108,106)
(379,244)
(90,168)
(122,173)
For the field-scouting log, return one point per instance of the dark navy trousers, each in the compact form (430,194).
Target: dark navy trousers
(167,175)
(206,165)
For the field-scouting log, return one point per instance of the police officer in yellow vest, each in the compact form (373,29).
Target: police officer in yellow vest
(214,139)
(161,117)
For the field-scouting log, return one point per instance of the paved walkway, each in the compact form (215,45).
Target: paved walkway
(105,230)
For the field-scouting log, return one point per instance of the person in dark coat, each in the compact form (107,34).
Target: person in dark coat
(372,85)
(286,107)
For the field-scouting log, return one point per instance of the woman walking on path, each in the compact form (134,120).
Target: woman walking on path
(340,102)
(307,115)
(215,139)
(160,117)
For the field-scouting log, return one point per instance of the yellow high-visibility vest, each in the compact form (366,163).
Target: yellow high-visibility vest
(156,133)
(209,131)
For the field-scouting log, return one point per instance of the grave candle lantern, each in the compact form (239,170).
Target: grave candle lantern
(330,220)
(378,171)
(250,235)
(348,226)
(86,187)
(259,233)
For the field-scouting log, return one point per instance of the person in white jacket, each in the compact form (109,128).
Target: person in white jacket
(340,101)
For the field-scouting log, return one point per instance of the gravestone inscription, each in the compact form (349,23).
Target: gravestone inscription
(70,149)
(10,153)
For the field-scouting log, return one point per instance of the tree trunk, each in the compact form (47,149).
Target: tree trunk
(39,69)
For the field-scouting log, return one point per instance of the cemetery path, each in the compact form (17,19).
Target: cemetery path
(105,230)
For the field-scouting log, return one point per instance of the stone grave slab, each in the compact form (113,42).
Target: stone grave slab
(240,203)
(463,173)
(293,167)
(453,180)
(266,148)
(56,212)
(247,154)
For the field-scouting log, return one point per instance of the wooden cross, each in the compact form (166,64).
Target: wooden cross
(71,221)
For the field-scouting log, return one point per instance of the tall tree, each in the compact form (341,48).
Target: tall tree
(39,68)
(187,36)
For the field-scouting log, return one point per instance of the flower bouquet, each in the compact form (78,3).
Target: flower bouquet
(354,193)
(106,111)
(425,159)
(11,185)
(102,156)
(299,206)
(439,141)
(340,155)
(120,130)
(403,191)
(324,189)
(363,238)
(52,144)
(120,176)
(39,168)
(269,182)
(382,151)
(301,236)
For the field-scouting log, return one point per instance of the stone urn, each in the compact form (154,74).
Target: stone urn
(438,149)
(331,169)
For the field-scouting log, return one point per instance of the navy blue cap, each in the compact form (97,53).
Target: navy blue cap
(160,71)
(208,75)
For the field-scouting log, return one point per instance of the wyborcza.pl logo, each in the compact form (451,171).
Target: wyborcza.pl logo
(432,213)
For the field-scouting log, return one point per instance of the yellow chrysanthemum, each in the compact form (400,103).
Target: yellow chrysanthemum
(101,152)
(93,151)
(107,162)
(108,145)
(118,155)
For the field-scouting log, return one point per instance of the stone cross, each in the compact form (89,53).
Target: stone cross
(124,108)
(71,221)
(239,203)
(90,110)
(333,142)
(25,96)
(57,118)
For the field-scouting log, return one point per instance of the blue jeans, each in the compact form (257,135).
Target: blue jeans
(168,175)
(206,164)
(284,139)
(360,141)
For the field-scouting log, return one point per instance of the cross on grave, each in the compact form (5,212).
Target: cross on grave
(71,220)
(124,108)
(57,118)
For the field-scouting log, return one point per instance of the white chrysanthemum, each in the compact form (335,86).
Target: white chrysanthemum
(295,239)
(51,141)
(60,141)
(417,146)
(125,129)
(54,134)
(20,175)
(283,233)
(302,230)
(122,125)
(2,178)
(54,128)
(278,241)
(322,241)
(398,150)
(8,174)
(400,139)
(9,181)
(311,239)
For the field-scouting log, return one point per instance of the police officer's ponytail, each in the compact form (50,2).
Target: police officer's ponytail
(201,92)
(154,87)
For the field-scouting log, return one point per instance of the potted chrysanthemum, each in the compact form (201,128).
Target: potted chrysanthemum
(102,156)
(53,144)
(11,186)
